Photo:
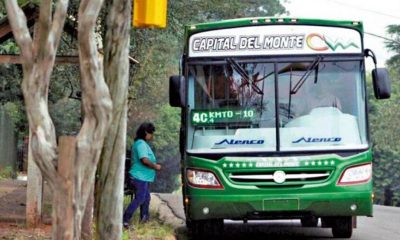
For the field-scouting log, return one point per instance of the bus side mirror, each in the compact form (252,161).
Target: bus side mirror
(381,83)
(176,91)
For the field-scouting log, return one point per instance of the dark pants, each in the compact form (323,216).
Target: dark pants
(142,199)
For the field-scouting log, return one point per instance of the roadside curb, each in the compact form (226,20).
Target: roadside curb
(165,214)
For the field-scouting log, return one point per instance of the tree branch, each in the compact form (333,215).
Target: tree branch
(18,23)
(57,27)
(42,33)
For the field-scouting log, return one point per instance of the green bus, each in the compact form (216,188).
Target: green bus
(274,122)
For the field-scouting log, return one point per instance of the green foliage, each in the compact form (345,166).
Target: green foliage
(66,115)
(166,146)
(16,112)
(10,83)
(7,173)
(9,47)
(394,32)
(384,117)
(394,46)
(213,10)
(11,96)
(158,52)
(3,11)
(384,129)
(151,230)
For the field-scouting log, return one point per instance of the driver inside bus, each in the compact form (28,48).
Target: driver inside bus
(224,87)
(321,96)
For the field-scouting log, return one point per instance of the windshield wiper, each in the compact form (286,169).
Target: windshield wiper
(244,75)
(311,67)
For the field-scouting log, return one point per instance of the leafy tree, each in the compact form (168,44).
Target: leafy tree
(166,144)
(385,131)
(394,46)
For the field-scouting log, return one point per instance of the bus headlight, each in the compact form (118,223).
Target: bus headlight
(356,174)
(202,179)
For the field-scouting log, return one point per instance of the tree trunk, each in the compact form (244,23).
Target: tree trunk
(34,192)
(87,221)
(38,60)
(109,187)
(97,107)
(38,57)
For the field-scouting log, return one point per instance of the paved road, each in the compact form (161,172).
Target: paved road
(385,225)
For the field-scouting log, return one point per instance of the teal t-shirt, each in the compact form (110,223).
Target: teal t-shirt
(141,149)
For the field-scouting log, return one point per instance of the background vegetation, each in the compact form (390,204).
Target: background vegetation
(385,130)
(158,53)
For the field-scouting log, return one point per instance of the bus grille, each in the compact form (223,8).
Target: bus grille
(294,177)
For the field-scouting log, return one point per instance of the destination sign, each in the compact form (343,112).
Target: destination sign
(203,117)
(274,40)
(245,43)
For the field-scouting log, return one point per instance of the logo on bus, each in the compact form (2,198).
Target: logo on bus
(240,142)
(318,140)
(319,42)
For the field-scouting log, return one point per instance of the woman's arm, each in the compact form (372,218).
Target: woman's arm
(149,164)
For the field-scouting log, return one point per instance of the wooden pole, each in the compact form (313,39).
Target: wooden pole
(63,201)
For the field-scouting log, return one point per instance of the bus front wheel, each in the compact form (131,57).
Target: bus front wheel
(342,227)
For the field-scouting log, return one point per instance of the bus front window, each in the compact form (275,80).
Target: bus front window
(230,106)
(327,111)
(234,106)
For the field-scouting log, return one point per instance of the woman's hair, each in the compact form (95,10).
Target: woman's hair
(146,127)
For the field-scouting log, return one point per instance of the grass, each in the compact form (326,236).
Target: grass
(152,230)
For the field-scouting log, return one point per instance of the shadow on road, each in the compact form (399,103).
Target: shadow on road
(261,230)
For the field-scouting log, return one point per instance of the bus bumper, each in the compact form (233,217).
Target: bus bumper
(285,206)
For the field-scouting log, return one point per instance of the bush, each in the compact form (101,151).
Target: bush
(7,173)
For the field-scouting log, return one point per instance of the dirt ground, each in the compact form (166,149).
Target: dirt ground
(12,213)
(12,231)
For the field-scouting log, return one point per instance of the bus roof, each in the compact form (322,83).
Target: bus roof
(256,21)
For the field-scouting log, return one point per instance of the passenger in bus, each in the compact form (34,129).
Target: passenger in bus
(321,96)
(142,173)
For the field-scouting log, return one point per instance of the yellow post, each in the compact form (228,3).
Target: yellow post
(149,13)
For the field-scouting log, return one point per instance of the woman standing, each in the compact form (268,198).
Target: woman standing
(142,173)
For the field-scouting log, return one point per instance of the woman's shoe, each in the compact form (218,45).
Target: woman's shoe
(126,225)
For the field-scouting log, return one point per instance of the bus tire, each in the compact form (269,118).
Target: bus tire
(342,227)
(310,221)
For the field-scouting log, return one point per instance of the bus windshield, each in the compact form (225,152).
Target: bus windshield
(287,106)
